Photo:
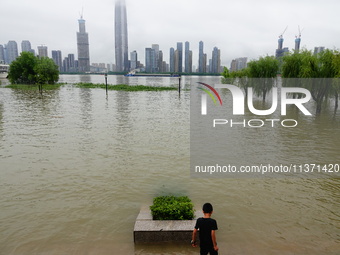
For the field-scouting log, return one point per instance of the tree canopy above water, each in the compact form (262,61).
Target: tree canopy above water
(29,69)
(315,72)
(319,70)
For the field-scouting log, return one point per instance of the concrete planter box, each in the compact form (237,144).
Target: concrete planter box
(148,230)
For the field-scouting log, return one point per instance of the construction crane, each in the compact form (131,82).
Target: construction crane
(300,31)
(280,41)
(281,35)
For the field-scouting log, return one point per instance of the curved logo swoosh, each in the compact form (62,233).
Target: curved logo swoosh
(209,93)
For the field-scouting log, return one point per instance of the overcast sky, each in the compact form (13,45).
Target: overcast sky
(240,28)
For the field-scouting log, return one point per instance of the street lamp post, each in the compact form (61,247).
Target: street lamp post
(106,82)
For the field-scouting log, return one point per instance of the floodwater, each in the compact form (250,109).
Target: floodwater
(76,166)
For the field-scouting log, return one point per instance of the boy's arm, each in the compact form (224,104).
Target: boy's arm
(193,238)
(213,237)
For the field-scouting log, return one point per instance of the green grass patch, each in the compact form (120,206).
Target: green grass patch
(172,208)
(123,87)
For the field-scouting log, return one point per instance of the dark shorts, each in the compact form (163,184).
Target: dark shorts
(206,251)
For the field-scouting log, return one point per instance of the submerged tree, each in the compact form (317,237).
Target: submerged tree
(29,69)
(226,76)
(240,78)
(336,83)
(46,71)
(265,71)
(318,71)
(21,70)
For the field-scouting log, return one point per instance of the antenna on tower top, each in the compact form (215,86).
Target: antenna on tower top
(81,13)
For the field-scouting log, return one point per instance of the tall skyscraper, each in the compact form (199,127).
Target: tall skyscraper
(5,53)
(188,58)
(42,51)
(155,47)
(26,46)
(83,47)
(57,58)
(121,37)
(176,61)
(2,54)
(134,59)
(238,64)
(205,58)
(297,44)
(160,62)
(201,65)
(179,61)
(150,60)
(12,51)
(280,50)
(172,60)
(216,60)
(71,63)
(66,65)
(318,50)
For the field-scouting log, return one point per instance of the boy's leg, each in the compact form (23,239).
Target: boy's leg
(204,251)
(213,252)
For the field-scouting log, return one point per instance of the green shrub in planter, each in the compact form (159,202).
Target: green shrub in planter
(172,208)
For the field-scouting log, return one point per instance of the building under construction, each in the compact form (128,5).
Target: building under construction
(280,51)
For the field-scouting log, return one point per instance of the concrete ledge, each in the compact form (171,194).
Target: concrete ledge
(148,230)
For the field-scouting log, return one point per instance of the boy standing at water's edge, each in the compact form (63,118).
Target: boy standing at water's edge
(207,227)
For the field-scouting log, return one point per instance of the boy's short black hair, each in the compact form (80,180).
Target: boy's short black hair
(207,208)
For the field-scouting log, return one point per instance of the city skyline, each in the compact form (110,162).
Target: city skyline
(180,61)
(242,29)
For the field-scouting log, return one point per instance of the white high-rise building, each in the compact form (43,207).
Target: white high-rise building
(12,51)
(83,47)
(133,57)
(121,37)
(42,51)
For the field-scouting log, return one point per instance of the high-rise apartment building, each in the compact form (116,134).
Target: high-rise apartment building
(57,58)
(172,60)
(134,60)
(176,61)
(179,60)
(238,64)
(216,60)
(26,46)
(188,58)
(160,62)
(11,51)
(317,50)
(66,65)
(205,58)
(83,47)
(155,47)
(202,62)
(2,54)
(42,51)
(150,60)
(297,44)
(121,37)
(71,63)
(280,51)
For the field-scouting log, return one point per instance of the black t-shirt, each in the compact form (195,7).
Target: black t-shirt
(205,225)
